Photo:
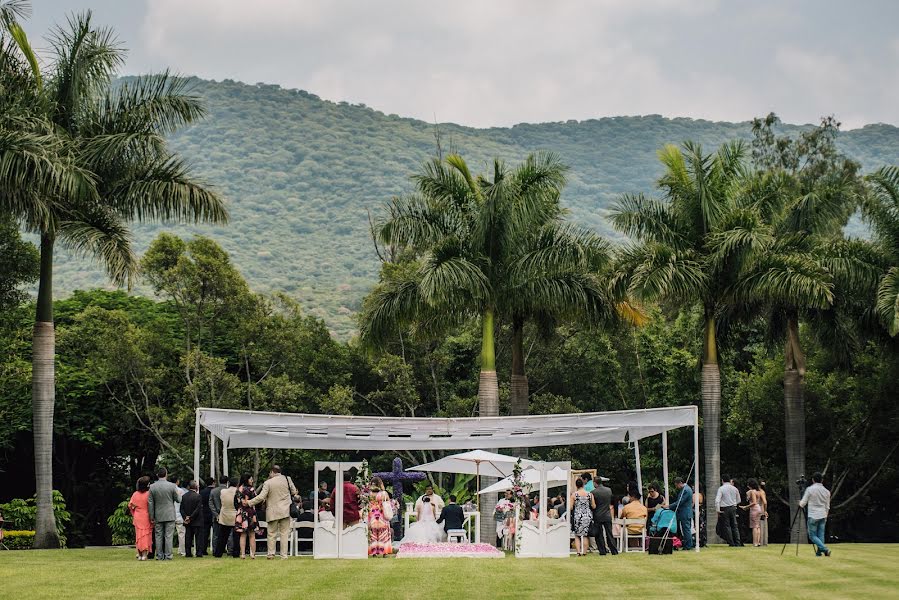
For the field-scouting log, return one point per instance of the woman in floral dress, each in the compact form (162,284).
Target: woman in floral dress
(245,522)
(582,503)
(380,511)
(138,506)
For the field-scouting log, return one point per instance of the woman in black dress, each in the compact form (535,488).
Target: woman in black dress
(245,522)
(653,501)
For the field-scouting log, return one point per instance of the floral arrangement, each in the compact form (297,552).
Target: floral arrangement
(363,482)
(520,495)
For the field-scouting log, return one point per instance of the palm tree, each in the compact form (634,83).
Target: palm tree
(676,259)
(805,194)
(882,211)
(116,137)
(464,232)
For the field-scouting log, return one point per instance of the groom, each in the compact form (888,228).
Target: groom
(436,500)
(451,516)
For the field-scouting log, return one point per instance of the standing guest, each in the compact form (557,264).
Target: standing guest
(582,505)
(246,524)
(179,520)
(350,503)
(161,507)
(764,527)
(817,499)
(277,492)
(192,516)
(683,510)
(588,482)
(215,508)
(703,536)
(754,505)
(380,511)
(602,520)
(323,491)
(205,535)
(139,507)
(654,500)
(503,516)
(226,516)
(726,501)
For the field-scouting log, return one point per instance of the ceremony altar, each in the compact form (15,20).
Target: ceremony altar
(233,429)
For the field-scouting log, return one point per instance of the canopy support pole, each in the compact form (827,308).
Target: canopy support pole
(696,478)
(225,470)
(213,458)
(639,472)
(665,462)
(197,447)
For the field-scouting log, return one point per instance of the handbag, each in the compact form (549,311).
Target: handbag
(388,509)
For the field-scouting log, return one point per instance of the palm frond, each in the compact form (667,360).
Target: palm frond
(888,301)
(99,234)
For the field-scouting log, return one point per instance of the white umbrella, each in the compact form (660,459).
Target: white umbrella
(475,462)
(554,477)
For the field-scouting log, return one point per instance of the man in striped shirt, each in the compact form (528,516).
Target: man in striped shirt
(726,501)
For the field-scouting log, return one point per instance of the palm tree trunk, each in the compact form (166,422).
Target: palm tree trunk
(520,393)
(794,420)
(488,406)
(711,424)
(43,398)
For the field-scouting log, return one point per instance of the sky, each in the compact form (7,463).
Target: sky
(490,63)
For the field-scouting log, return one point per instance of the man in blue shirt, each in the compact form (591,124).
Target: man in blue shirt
(683,508)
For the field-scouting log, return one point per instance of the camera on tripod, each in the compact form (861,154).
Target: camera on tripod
(802,482)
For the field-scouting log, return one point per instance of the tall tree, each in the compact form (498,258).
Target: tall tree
(675,259)
(881,209)
(463,232)
(808,192)
(123,171)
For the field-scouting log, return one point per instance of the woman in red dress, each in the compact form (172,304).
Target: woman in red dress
(138,506)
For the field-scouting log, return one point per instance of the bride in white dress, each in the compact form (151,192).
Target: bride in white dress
(425,529)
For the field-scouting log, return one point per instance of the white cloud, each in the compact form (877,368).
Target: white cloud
(501,62)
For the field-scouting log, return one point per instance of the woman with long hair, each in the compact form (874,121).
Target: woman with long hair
(245,522)
(380,511)
(139,507)
(754,498)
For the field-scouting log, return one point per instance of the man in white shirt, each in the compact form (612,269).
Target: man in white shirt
(817,501)
(726,501)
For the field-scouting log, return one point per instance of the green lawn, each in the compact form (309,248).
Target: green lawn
(854,571)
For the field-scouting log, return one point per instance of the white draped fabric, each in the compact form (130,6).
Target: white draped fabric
(253,429)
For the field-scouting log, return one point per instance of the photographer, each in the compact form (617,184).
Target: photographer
(816,500)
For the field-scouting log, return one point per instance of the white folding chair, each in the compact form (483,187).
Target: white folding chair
(301,531)
(628,536)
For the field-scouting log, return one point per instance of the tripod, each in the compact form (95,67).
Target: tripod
(793,524)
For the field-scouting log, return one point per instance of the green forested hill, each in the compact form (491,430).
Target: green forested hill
(300,174)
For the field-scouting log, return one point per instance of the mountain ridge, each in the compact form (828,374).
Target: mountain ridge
(301,175)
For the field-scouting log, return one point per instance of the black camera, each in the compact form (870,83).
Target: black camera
(802,482)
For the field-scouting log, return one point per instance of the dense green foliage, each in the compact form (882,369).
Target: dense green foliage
(300,175)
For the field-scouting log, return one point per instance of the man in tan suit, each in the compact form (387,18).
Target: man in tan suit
(277,493)
(227,514)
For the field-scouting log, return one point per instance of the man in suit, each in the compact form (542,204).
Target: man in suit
(205,495)
(451,516)
(163,496)
(192,514)
(227,514)
(277,493)
(683,509)
(602,519)
(215,507)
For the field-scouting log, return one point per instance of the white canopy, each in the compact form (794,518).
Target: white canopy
(475,462)
(254,429)
(554,478)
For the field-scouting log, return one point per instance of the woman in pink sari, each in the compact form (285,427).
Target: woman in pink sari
(138,506)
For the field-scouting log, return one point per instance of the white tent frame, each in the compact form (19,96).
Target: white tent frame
(257,429)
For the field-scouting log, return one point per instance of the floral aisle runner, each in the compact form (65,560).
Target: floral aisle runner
(448,550)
